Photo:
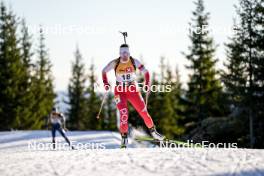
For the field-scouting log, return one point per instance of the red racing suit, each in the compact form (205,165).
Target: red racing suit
(126,90)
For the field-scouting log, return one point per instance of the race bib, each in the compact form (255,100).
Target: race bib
(127,77)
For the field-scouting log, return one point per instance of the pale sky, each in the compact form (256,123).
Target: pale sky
(155,28)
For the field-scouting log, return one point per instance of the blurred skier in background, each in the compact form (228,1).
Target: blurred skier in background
(58,123)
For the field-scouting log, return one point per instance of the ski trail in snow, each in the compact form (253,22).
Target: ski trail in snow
(16,159)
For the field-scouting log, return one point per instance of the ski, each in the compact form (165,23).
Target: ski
(123,146)
(170,141)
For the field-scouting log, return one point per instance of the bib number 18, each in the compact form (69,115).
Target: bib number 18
(126,77)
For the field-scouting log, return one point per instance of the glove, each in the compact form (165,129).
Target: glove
(105,81)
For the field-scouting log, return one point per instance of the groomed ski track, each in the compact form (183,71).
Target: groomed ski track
(139,159)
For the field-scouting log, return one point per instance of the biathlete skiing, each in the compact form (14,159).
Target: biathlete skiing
(126,90)
(58,123)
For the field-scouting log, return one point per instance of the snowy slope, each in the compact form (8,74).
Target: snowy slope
(16,159)
(19,140)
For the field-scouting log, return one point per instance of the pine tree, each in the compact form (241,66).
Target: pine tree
(158,100)
(204,89)
(43,84)
(164,104)
(259,72)
(27,113)
(170,120)
(247,32)
(76,94)
(235,79)
(167,121)
(250,44)
(234,76)
(110,119)
(178,105)
(93,102)
(11,71)
(154,102)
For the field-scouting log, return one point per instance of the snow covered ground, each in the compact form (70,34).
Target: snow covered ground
(140,159)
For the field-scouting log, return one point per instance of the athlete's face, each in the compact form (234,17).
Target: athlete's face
(124,56)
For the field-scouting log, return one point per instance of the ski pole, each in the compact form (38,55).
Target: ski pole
(47,126)
(147,95)
(102,104)
(48,132)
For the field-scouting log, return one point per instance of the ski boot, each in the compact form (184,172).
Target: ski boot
(124,141)
(156,135)
(53,144)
